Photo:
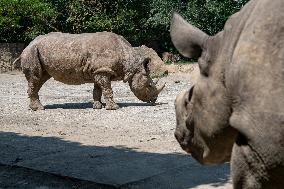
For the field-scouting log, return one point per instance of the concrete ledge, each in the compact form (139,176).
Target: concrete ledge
(8,53)
(118,167)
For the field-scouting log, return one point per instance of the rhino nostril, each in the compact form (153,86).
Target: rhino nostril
(182,139)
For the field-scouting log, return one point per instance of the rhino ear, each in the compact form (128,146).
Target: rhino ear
(145,63)
(188,39)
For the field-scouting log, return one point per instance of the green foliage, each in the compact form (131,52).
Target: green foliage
(158,22)
(208,15)
(140,22)
(22,20)
(124,17)
(211,15)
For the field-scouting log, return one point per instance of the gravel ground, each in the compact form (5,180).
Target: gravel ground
(69,114)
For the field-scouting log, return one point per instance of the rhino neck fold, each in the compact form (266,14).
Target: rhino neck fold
(131,62)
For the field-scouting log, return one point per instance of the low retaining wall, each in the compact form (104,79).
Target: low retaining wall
(8,53)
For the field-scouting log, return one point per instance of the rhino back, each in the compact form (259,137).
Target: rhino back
(72,58)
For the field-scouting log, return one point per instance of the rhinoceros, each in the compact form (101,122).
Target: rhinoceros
(235,110)
(97,58)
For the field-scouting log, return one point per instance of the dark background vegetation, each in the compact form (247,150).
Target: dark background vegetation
(139,21)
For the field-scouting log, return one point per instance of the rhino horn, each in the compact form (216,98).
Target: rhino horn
(160,88)
(155,81)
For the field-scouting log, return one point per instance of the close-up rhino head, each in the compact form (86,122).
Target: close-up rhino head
(234,110)
(141,84)
(205,109)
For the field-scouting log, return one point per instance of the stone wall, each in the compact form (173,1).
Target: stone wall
(8,53)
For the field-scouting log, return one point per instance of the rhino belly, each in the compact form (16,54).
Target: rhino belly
(68,72)
(69,76)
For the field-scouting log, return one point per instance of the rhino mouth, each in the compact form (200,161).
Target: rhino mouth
(192,143)
(186,147)
(194,150)
(188,143)
(184,141)
(152,101)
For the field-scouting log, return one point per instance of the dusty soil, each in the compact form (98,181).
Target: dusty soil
(69,114)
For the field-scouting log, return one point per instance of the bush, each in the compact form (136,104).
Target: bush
(23,20)
(140,22)
(210,16)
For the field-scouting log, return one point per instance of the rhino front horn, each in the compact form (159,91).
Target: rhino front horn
(159,89)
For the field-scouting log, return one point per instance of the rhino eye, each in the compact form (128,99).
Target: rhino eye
(190,93)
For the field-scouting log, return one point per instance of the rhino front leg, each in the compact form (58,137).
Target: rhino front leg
(97,95)
(104,81)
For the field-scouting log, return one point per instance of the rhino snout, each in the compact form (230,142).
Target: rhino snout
(183,140)
(180,137)
(184,126)
(156,89)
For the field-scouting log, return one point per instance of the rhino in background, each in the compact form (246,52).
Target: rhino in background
(97,58)
(235,111)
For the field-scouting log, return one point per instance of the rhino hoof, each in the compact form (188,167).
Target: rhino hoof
(36,106)
(97,105)
(112,107)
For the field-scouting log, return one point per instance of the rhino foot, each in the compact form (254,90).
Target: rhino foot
(112,106)
(97,105)
(36,105)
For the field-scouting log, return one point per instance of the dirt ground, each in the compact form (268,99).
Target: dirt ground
(69,116)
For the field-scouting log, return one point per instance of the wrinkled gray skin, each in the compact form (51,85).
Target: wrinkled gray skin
(235,111)
(97,58)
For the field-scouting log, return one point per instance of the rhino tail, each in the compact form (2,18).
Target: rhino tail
(17,63)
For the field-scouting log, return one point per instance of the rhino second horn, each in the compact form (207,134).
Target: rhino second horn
(155,81)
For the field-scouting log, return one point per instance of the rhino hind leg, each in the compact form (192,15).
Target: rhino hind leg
(97,95)
(36,77)
(34,85)
(104,82)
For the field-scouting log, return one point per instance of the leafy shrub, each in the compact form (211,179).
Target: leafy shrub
(140,22)
(23,20)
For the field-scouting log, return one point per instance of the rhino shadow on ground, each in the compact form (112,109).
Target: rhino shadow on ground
(88,105)
(52,161)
